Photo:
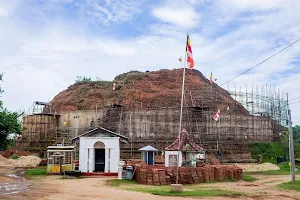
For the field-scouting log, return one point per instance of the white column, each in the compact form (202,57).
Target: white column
(83,159)
(92,160)
(88,160)
(106,160)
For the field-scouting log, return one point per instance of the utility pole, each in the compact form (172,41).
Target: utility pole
(291,144)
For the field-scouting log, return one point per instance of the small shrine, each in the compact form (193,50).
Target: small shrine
(188,152)
(148,154)
(60,159)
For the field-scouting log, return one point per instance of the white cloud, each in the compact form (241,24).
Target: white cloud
(41,61)
(7,7)
(3,11)
(179,16)
(243,5)
(110,12)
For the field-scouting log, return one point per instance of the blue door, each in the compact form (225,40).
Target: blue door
(150,158)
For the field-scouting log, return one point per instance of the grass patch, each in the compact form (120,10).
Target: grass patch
(35,172)
(249,178)
(224,180)
(117,183)
(200,193)
(271,172)
(164,190)
(290,186)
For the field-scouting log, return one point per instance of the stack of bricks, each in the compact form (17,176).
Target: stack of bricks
(200,174)
(160,175)
(171,176)
(181,172)
(195,175)
(219,172)
(229,173)
(142,176)
(205,174)
(239,173)
(188,179)
(208,173)
(156,179)
(149,177)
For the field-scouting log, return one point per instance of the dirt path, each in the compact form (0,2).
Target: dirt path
(11,182)
(52,188)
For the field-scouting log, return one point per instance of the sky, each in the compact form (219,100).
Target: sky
(45,45)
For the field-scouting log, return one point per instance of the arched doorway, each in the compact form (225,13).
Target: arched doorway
(99,156)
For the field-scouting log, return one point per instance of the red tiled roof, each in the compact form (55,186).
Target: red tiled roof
(186,144)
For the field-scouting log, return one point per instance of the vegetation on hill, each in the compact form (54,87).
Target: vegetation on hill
(84,79)
(270,150)
(9,124)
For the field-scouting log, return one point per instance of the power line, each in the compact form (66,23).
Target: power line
(262,61)
(295,102)
(295,98)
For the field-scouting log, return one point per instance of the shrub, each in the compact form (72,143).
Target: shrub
(14,157)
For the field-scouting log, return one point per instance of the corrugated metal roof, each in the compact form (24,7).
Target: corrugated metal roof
(148,148)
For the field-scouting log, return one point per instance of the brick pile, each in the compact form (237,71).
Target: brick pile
(160,175)
(219,174)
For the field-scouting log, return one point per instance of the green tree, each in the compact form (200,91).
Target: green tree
(9,124)
(1,75)
(296,132)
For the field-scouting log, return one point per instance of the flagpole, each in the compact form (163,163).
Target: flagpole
(180,120)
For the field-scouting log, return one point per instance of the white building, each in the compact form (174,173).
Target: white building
(99,150)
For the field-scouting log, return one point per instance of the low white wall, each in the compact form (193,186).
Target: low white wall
(87,153)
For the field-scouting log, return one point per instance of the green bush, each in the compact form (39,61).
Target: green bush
(14,157)
(285,166)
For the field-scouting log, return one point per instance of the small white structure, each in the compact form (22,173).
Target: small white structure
(171,158)
(99,150)
(148,154)
(120,169)
(187,147)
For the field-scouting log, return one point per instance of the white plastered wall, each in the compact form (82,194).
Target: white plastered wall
(87,153)
(168,153)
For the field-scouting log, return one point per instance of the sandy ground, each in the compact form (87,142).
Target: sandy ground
(257,167)
(52,187)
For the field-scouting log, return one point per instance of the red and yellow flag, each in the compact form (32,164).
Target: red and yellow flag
(210,80)
(189,53)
